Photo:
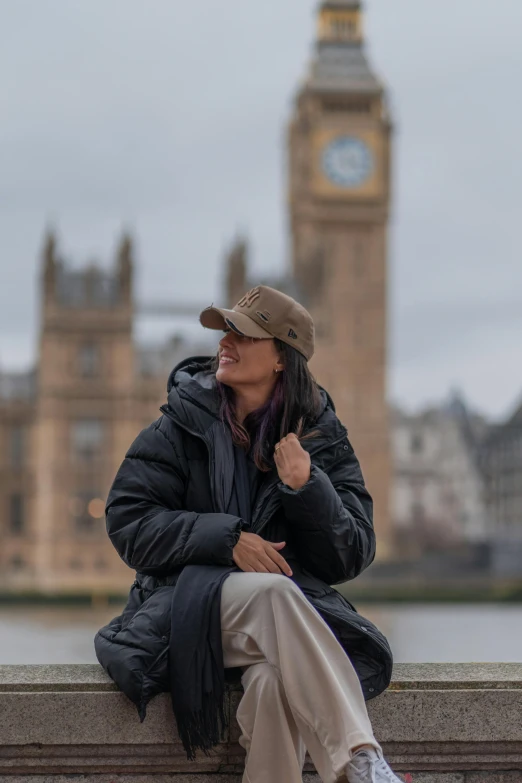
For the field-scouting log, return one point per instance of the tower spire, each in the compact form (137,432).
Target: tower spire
(340,63)
(49,262)
(125,264)
(236,270)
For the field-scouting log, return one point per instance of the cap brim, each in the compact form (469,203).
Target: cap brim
(219,318)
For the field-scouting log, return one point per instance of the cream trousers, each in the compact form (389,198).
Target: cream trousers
(301,690)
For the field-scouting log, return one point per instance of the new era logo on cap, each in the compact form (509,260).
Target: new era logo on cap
(292,334)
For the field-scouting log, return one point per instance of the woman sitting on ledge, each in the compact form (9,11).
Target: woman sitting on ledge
(238,508)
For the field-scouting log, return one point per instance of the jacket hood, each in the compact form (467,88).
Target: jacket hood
(192,394)
(193,398)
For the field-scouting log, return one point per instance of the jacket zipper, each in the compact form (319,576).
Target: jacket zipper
(167,413)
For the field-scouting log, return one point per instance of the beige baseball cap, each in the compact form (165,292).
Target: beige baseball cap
(266,313)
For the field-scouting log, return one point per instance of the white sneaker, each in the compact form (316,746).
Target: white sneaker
(368,766)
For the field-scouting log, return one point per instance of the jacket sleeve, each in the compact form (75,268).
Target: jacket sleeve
(331,521)
(146,521)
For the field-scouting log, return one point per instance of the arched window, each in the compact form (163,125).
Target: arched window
(17,445)
(86,438)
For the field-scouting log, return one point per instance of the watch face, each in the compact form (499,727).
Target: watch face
(347,161)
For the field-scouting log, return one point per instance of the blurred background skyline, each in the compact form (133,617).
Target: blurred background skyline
(170,119)
(150,139)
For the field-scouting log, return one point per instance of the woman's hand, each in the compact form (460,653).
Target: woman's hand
(253,553)
(292,462)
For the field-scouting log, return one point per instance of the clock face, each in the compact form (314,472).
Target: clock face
(347,161)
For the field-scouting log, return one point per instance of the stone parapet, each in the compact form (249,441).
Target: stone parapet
(437,723)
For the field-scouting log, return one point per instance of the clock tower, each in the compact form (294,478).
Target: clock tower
(339,193)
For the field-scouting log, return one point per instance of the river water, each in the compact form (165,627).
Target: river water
(416,632)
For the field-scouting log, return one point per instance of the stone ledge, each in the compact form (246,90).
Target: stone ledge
(420,676)
(442,723)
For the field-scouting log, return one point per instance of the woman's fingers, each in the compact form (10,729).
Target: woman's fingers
(259,563)
(279,561)
(267,566)
(253,554)
(264,564)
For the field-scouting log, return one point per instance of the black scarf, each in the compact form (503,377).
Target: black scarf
(197,674)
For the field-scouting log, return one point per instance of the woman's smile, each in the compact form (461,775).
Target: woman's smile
(226,358)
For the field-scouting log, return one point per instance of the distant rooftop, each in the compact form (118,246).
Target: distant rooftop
(156,360)
(508,432)
(17,386)
(89,287)
(473,427)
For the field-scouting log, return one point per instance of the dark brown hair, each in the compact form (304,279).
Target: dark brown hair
(293,407)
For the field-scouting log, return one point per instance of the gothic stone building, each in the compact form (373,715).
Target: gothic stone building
(338,195)
(66,425)
(438,498)
(501,463)
(458,482)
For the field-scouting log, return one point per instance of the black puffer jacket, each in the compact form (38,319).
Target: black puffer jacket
(163,513)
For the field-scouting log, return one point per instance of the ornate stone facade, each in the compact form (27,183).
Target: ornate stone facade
(65,427)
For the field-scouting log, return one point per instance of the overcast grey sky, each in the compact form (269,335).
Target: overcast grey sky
(170,117)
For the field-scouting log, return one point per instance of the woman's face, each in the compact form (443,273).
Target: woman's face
(247,361)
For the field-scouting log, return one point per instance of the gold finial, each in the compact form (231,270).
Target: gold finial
(340,21)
